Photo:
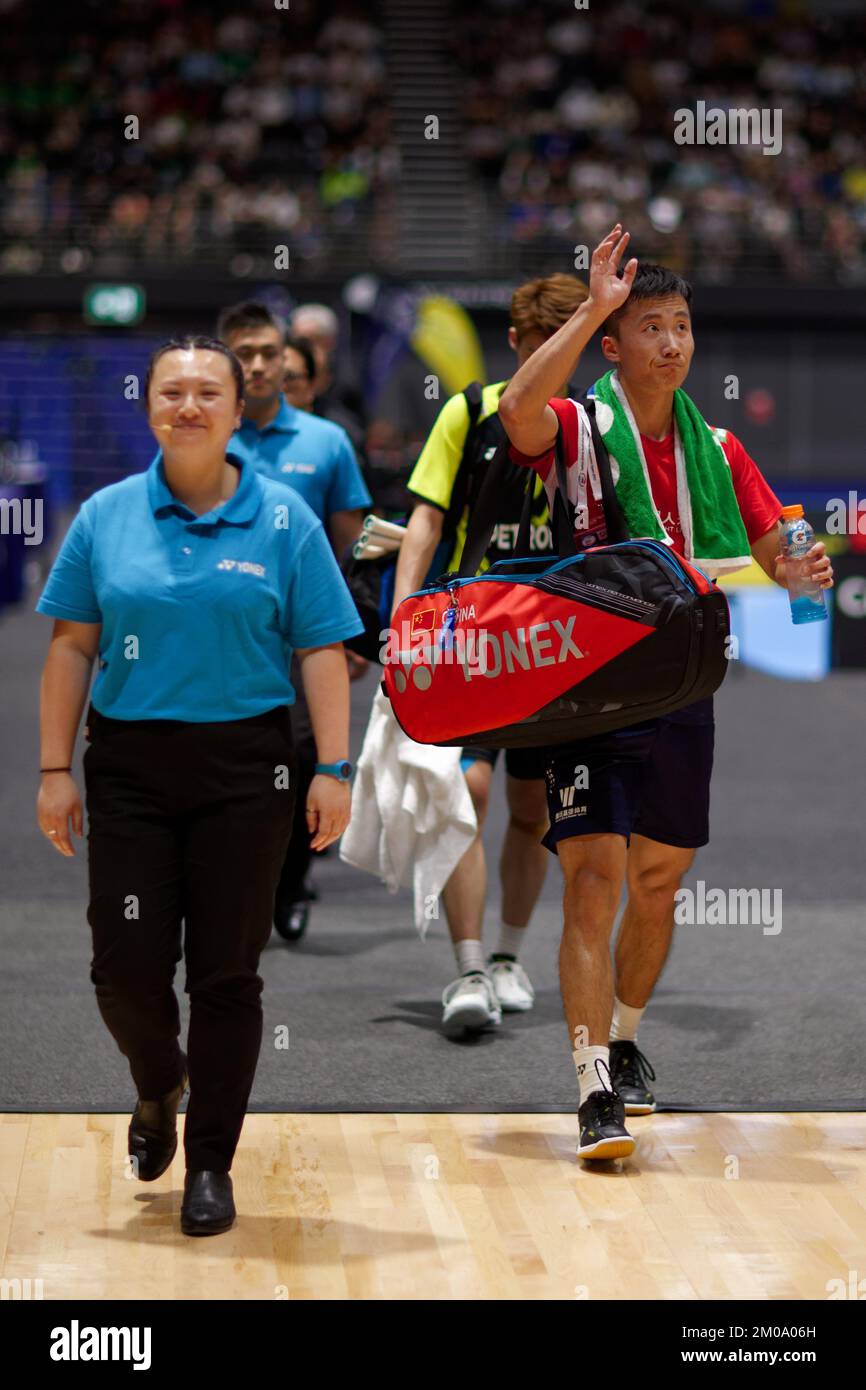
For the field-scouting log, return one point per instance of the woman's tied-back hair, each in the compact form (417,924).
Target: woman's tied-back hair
(185,344)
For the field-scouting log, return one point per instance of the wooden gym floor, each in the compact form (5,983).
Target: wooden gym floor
(446,1206)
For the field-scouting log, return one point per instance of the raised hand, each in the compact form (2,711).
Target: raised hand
(606,289)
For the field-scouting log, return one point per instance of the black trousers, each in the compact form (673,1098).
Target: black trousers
(290,888)
(188,823)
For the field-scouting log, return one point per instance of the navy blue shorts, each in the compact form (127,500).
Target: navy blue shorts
(650,779)
(526,764)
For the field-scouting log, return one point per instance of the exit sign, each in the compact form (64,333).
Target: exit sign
(114,304)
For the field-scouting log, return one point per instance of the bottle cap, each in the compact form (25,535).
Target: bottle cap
(789,513)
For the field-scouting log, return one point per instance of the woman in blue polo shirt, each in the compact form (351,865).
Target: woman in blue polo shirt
(191,584)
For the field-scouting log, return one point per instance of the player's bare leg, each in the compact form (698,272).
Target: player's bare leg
(594,867)
(524,859)
(654,872)
(522,871)
(469,1001)
(465,893)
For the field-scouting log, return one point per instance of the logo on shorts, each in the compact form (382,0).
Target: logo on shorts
(567,791)
(569,809)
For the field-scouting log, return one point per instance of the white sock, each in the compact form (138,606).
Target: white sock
(625,1022)
(510,941)
(588,1079)
(470,956)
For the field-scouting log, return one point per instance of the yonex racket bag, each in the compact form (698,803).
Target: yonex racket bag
(542,651)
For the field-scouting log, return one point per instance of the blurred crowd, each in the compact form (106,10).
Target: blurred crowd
(253,121)
(258,125)
(570,120)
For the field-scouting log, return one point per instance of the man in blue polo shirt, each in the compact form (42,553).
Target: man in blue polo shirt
(314,457)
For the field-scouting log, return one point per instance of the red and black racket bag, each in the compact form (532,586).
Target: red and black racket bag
(542,651)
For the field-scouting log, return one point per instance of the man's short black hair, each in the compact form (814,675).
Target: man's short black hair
(250,313)
(651,282)
(304,348)
(196,340)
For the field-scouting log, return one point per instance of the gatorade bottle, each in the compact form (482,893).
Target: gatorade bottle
(796,537)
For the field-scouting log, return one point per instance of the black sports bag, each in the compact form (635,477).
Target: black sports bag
(371,582)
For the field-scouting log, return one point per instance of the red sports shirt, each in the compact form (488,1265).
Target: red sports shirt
(759,506)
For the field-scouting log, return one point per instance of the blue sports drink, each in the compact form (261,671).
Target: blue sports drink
(796,538)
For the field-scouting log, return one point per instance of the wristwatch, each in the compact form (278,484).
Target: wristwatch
(342,770)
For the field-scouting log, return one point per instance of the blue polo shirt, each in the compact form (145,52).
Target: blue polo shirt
(314,456)
(199,614)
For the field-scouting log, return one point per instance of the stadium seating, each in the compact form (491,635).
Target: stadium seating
(570,118)
(255,126)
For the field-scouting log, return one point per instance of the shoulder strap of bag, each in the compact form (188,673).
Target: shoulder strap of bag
(562,517)
(483,513)
(474,395)
(522,546)
(613,514)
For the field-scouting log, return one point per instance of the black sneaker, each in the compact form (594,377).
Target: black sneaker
(629,1073)
(603,1133)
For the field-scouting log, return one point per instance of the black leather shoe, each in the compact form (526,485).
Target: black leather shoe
(208,1206)
(290,919)
(153,1132)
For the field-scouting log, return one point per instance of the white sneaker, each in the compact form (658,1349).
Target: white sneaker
(511,985)
(470,1005)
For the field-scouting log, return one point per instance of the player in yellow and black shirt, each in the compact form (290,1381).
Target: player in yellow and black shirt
(483,987)
(435,474)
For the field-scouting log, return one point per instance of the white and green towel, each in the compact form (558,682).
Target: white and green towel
(713,531)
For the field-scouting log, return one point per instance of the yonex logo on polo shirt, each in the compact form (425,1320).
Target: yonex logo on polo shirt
(242,567)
